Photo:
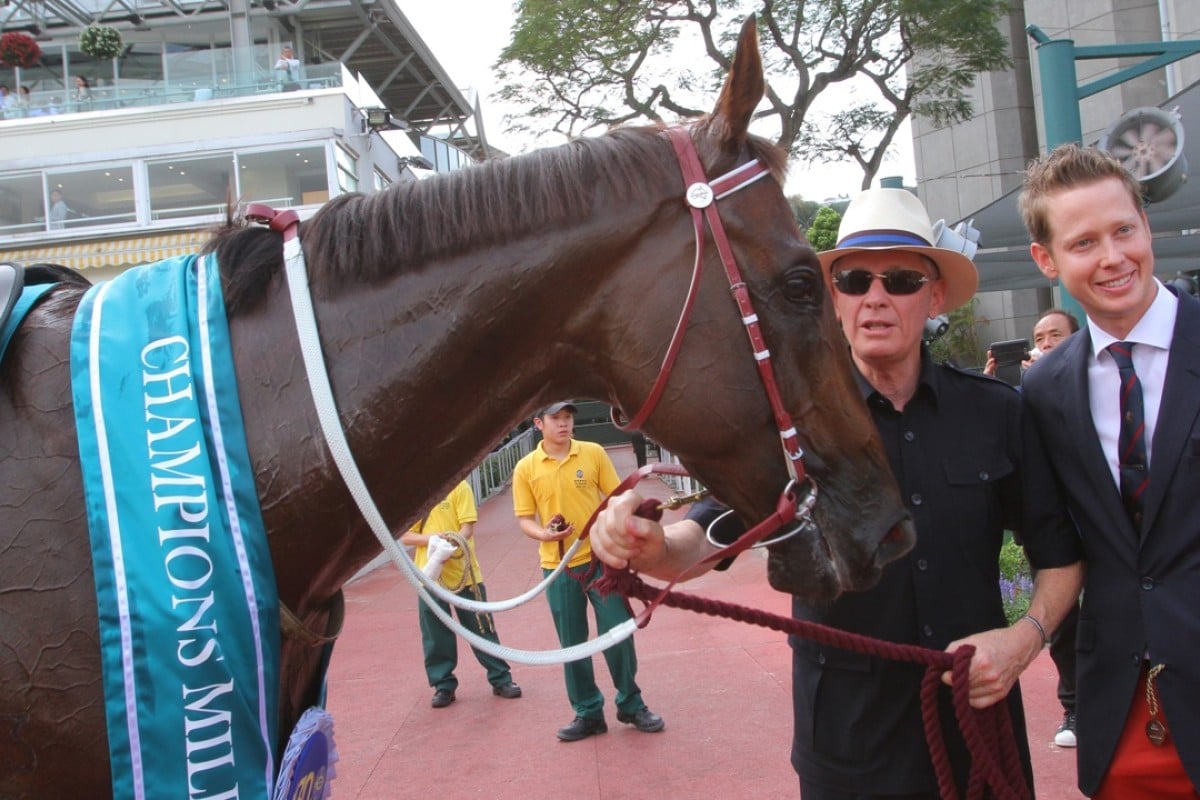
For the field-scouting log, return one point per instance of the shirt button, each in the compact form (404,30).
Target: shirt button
(922,564)
(1147,583)
(916,499)
(821,658)
(909,436)
(1136,658)
(983,475)
(928,631)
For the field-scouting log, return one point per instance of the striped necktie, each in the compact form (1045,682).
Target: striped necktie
(1132,442)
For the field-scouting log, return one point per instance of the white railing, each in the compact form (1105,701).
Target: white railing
(496,469)
(684,484)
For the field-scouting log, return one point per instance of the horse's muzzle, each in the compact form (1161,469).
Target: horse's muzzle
(810,566)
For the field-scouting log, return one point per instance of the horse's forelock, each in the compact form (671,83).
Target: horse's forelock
(715,148)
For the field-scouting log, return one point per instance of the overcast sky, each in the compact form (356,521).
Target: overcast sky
(468,40)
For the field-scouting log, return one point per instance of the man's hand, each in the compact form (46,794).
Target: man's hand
(1001,655)
(557,529)
(620,539)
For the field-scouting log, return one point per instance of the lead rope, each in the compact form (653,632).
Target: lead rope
(988,732)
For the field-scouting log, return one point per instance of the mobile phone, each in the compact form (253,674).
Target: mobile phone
(1009,355)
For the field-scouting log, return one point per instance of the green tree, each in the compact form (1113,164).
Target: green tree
(823,233)
(583,65)
(960,343)
(805,211)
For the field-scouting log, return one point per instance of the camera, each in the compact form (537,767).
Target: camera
(1009,355)
(936,328)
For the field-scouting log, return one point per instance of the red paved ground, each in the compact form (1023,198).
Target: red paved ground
(722,687)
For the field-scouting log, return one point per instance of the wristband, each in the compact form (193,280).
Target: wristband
(1033,621)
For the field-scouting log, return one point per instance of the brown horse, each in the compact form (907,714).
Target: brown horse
(449,309)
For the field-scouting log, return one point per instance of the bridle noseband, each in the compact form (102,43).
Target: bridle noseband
(701,196)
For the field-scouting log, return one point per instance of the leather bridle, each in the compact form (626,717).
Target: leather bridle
(701,196)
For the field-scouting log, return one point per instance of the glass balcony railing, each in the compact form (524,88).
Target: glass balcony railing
(170,78)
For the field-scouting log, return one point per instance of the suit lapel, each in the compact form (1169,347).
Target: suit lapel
(1075,415)
(1179,407)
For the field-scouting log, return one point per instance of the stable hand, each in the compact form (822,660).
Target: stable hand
(620,539)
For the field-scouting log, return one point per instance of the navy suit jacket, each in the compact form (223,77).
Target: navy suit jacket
(1142,590)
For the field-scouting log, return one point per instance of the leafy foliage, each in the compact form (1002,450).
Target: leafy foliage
(101,41)
(805,211)
(580,65)
(1016,583)
(823,233)
(960,344)
(19,50)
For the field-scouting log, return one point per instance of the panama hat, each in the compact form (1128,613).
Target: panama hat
(894,219)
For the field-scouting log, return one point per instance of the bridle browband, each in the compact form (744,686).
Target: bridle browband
(701,196)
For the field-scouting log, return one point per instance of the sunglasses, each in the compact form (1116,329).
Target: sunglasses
(895,281)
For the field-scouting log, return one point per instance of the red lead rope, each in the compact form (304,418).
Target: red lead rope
(996,770)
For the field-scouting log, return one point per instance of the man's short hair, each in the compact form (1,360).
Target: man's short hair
(1072,322)
(1067,166)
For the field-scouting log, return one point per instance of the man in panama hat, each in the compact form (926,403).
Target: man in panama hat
(952,440)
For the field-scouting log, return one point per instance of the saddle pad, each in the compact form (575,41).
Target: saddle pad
(189,628)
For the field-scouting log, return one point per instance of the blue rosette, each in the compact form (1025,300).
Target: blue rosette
(307,766)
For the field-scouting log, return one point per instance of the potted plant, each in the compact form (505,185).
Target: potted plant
(101,41)
(19,50)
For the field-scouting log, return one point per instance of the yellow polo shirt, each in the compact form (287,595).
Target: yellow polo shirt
(450,515)
(544,486)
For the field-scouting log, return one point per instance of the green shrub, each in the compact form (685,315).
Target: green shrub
(1016,581)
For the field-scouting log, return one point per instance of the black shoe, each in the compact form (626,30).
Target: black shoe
(581,728)
(442,698)
(509,691)
(643,719)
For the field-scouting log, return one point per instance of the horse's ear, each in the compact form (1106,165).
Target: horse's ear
(743,86)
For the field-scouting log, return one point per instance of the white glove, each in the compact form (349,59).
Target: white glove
(439,550)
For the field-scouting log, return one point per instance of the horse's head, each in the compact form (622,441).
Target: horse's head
(715,413)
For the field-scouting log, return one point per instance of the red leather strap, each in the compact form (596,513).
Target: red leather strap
(693,174)
(286,222)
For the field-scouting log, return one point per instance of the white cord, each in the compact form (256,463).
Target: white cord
(339,448)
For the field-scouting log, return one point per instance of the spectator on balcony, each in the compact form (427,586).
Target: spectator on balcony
(81,94)
(60,212)
(288,67)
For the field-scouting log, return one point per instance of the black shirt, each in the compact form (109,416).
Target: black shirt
(955,454)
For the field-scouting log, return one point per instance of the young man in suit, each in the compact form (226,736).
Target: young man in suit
(1116,409)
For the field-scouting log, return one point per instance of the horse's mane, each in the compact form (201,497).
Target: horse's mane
(358,238)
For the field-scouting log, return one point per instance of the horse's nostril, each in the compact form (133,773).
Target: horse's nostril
(896,542)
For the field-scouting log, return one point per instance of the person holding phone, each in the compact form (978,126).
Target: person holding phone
(1051,328)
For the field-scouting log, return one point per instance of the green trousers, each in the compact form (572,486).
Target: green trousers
(569,605)
(441,644)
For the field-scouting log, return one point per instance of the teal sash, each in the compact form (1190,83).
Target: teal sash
(189,628)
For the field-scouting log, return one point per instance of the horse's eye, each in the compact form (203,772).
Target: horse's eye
(800,285)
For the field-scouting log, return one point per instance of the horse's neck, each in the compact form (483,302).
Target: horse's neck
(429,369)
